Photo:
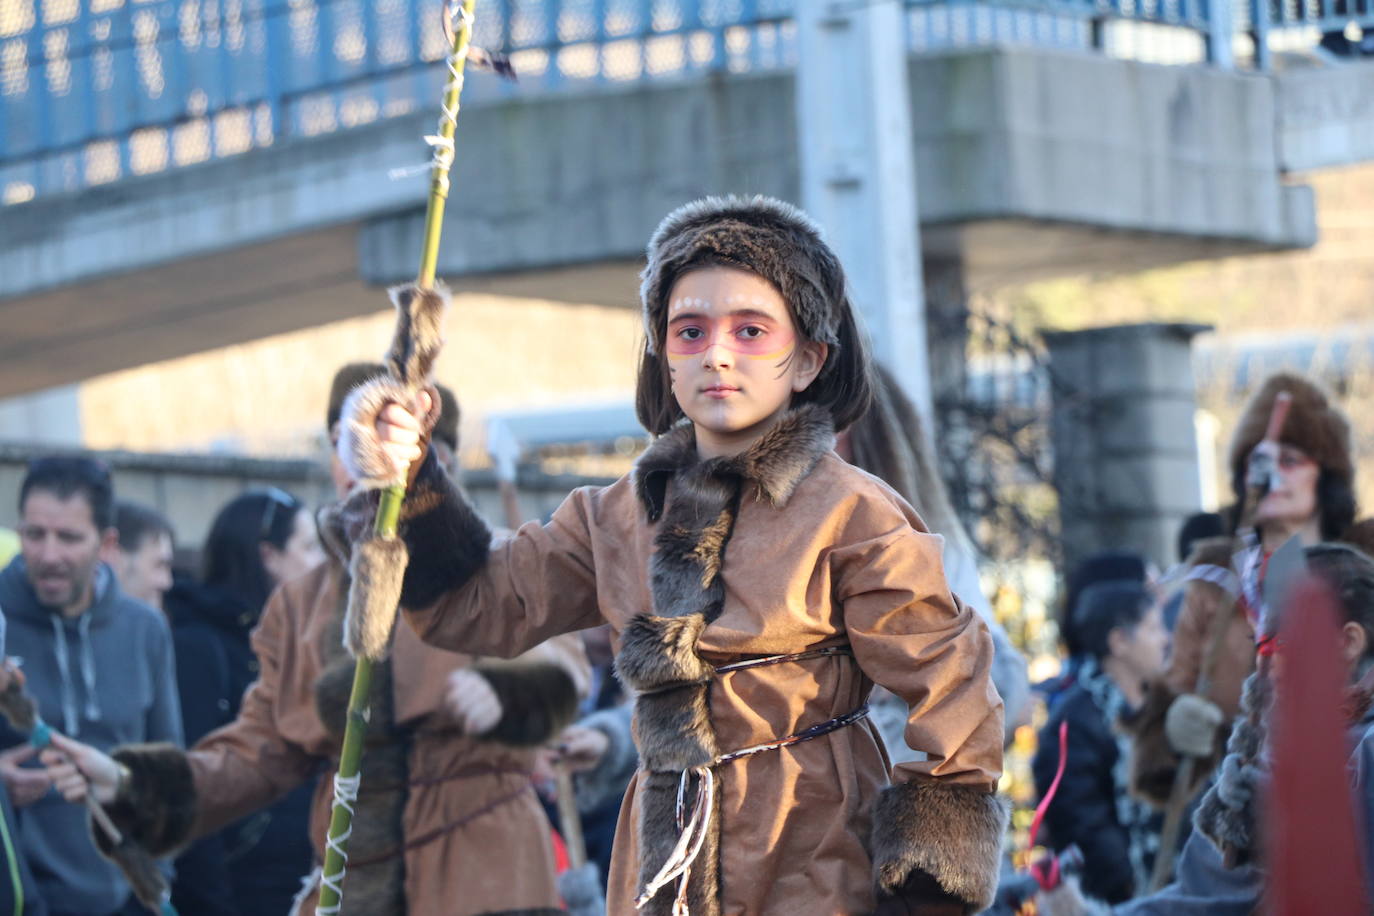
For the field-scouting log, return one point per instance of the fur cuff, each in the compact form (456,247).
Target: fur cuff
(538,701)
(157,806)
(951,832)
(377,571)
(448,540)
(360,449)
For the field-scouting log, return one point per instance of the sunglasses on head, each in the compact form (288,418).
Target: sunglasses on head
(276,498)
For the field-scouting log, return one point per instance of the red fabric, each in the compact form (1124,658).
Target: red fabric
(1314,866)
(561,862)
(1046,874)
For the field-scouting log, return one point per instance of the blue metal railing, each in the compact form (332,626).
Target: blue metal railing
(93,91)
(96,90)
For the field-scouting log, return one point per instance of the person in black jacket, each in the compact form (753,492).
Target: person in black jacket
(253,867)
(1124,642)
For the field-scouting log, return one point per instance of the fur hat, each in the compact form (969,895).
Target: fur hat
(759,234)
(1314,425)
(354,374)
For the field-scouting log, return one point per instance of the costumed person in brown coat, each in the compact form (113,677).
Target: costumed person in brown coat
(446,821)
(1316,502)
(756,585)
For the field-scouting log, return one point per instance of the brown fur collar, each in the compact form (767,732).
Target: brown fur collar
(773,465)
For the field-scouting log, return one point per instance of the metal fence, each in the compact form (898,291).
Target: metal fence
(94,91)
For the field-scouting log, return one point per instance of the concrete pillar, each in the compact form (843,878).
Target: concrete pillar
(1125,455)
(858,170)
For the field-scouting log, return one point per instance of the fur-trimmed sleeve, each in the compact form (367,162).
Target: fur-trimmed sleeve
(465,593)
(910,635)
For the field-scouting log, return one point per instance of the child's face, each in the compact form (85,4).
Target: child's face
(734,356)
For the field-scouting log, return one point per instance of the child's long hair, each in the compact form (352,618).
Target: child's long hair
(780,244)
(890,442)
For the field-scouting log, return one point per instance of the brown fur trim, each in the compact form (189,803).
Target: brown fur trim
(1154,762)
(695,504)
(951,832)
(764,236)
(377,571)
(447,538)
(1315,425)
(359,448)
(657,800)
(157,805)
(660,652)
(673,730)
(538,700)
(419,332)
(773,466)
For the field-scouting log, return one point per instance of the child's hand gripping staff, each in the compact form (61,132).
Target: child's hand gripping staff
(89,777)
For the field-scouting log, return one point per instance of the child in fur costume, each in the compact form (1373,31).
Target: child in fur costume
(1316,502)
(1221,869)
(446,821)
(757,587)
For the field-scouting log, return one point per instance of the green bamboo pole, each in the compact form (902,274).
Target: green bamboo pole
(389,511)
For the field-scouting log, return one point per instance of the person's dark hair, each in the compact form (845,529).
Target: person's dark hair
(1198,527)
(1350,575)
(67,475)
(1099,567)
(1107,606)
(844,386)
(136,523)
(233,558)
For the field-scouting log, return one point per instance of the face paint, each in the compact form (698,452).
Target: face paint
(734,356)
(746,331)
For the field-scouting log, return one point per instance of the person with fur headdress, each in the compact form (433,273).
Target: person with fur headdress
(1316,501)
(447,820)
(757,586)
(1222,868)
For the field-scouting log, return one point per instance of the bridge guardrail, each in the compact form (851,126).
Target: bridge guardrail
(94,91)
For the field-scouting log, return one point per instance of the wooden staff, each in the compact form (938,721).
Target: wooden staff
(458,18)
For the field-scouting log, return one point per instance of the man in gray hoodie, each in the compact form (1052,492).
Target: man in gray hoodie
(98,663)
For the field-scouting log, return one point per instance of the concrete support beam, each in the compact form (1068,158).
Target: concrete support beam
(1028,163)
(1125,456)
(1325,116)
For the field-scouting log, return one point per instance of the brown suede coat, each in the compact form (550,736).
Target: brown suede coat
(828,556)
(497,859)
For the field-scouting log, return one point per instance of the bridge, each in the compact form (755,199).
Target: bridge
(178,175)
